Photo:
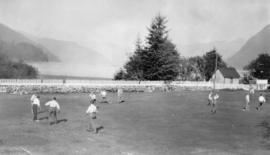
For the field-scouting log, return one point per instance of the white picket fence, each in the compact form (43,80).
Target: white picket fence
(112,83)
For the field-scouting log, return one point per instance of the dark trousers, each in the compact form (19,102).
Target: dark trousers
(92,125)
(35,111)
(53,115)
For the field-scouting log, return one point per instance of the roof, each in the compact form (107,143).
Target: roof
(229,72)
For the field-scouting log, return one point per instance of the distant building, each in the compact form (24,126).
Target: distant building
(226,75)
(262,84)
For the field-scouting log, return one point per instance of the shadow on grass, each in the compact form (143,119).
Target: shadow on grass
(42,118)
(42,111)
(58,121)
(99,128)
(265,133)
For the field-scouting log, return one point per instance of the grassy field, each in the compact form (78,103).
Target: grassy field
(147,123)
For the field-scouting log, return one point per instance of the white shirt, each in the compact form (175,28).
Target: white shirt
(261,99)
(216,97)
(252,91)
(91,109)
(103,93)
(53,104)
(33,97)
(210,96)
(92,96)
(120,92)
(247,98)
(36,102)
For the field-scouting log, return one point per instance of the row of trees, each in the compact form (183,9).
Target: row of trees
(259,67)
(160,60)
(16,70)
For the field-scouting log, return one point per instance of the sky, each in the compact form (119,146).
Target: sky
(112,27)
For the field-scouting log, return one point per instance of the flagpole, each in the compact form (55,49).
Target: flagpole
(215,69)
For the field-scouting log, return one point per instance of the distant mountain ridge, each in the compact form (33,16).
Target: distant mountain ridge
(259,43)
(18,47)
(68,51)
(225,48)
(53,57)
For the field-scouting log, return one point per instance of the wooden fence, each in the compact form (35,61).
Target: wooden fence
(112,83)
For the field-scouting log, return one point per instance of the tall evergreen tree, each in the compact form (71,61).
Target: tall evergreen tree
(134,65)
(160,58)
(210,61)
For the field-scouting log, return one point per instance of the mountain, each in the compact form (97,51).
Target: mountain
(75,60)
(17,47)
(225,48)
(68,51)
(259,43)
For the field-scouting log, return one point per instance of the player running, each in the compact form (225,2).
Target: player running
(54,108)
(261,101)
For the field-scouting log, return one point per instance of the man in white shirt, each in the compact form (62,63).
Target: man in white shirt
(120,95)
(91,112)
(54,108)
(32,98)
(35,104)
(247,102)
(214,103)
(93,97)
(103,94)
(261,101)
(210,98)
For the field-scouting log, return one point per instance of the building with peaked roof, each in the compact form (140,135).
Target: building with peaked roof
(226,75)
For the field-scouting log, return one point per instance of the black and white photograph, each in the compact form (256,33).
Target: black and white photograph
(134,77)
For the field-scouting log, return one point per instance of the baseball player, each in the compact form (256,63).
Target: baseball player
(91,112)
(214,103)
(246,108)
(210,98)
(54,108)
(93,97)
(35,105)
(120,95)
(103,94)
(261,102)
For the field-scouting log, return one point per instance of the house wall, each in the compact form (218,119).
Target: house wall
(221,79)
(231,81)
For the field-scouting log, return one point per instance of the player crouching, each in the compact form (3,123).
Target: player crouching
(54,108)
(92,113)
(261,102)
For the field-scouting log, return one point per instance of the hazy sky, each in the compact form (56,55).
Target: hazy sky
(112,26)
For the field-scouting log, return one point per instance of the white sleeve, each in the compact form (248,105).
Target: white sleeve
(58,106)
(38,102)
(88,110)
(48,103)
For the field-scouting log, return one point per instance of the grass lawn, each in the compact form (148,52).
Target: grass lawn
(147,123)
